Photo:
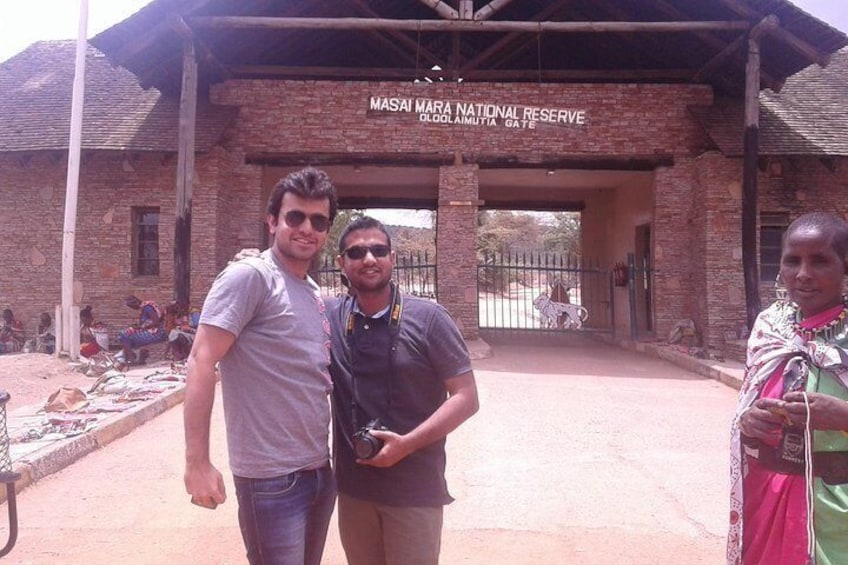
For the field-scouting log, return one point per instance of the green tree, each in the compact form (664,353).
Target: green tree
(505,231)
(563,235)
(415,241)
(331,249)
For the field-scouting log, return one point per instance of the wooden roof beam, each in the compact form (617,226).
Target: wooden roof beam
(654,46)
(257,22)
(411,44)
(442,8)
(677,75)
(273,48)
(133,48)
(782,34)
(715,43)
(490,9)
(205,54)
(511,38)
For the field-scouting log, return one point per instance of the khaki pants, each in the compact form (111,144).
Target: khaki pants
(375,534)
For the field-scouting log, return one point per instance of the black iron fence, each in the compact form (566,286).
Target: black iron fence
(543,292)
(414,272)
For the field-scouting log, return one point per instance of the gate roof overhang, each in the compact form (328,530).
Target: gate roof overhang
(657,41)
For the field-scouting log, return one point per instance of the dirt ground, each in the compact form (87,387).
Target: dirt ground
(29,378)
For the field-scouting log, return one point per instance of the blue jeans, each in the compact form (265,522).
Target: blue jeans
(284,520)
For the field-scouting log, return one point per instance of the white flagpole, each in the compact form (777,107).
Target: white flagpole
(70,315)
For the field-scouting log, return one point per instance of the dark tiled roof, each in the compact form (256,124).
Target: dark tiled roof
(813,106)
(807,117)
(36,88)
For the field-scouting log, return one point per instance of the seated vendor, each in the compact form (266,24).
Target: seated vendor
(147,331)
(94,336)
(11,333)
(180,327)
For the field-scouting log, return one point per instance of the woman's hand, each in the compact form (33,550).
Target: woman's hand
(826,412)
(763,420)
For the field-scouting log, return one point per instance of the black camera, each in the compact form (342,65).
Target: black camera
(365,445)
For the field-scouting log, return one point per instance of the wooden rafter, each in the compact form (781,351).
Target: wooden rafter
(781,33)
(510,39)
(204,54)
(490,9)
(141,43)
(293,10)
(242,71)
(442,8)
(637,44)
(419,52)
(712,40)
(252,22)
(730,50)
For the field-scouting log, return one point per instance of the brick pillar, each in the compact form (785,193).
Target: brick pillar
(720,188)
(456,245)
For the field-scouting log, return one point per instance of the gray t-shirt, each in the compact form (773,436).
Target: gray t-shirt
(275,381)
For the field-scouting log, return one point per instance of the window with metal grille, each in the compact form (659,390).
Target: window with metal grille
(145,244)
(772,226)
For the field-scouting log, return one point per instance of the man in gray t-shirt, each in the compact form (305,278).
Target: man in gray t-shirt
(264,322)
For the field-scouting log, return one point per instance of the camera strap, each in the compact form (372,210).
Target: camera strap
(395,313)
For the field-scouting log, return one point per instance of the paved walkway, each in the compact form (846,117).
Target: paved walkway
(584,453)
(42,443)
(37,458)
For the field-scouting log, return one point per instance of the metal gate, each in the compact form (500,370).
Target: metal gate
(414,273)
(544,293)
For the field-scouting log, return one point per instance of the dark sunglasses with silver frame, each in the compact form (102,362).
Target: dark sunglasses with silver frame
(319,222)
(357,252)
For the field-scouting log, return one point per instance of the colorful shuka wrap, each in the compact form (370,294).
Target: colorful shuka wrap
(11,336)
(145,333)
(776,348)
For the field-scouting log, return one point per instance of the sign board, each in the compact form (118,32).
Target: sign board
(450,112)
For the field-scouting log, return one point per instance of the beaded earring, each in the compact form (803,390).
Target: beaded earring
(779,288)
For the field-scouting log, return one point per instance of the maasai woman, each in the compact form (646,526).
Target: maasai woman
(11,333)
(789,455)
(180,330)
(149,329)
(94,336)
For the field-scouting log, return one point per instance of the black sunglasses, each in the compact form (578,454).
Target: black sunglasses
(357,252)
(294,218)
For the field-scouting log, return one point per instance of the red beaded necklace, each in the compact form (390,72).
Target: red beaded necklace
(828,331)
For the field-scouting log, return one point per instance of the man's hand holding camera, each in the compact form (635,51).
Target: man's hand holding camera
(395,448)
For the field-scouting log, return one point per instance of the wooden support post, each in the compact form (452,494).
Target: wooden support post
(749,172)
(185,177)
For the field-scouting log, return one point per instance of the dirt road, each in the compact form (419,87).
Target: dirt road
(589,455)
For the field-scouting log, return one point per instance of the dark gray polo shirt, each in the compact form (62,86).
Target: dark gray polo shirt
(403,393)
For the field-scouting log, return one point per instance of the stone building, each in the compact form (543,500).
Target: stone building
(630,112)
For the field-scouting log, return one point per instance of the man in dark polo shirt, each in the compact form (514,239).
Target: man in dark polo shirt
(398,362)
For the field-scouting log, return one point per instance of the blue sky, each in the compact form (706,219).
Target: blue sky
(23,22)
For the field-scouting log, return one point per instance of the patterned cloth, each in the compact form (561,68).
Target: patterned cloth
(11,336)
(775,346)
(149,329)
